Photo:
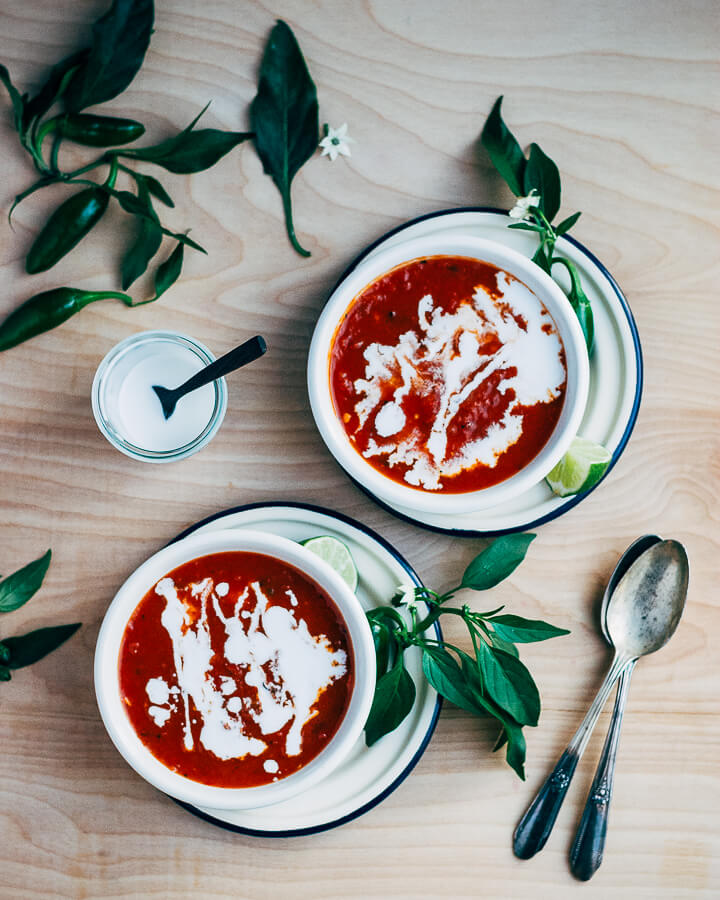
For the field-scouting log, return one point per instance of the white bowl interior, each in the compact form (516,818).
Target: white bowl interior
(555,301)
(126,601)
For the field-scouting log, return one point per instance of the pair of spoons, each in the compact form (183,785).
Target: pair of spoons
(641,608)
(235,359)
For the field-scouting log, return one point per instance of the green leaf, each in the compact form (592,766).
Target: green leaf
(18,103)
(516,747)
(541,258)
(446,676)
(504,150)
(381,639)
(133,205)
(31,647)
(156,189)
(528,226)
(120,40)
(284,116)
(5,673)
(18,588)
(184,240)
(502,644)
(541,174)
(512,732)
(389,616)
(189,151)
(509,684)
(393,700)
(146,244)
(4,654)
(567,224)
(168,272)
(496,562)
(54,87)
(524,631)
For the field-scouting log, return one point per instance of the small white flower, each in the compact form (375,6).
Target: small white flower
(524,205)
(405,596)
(336,142)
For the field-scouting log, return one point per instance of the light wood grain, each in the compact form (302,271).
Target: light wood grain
(625,97)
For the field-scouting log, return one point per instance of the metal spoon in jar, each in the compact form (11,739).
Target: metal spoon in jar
(235,359)
(589,844)
(642,615)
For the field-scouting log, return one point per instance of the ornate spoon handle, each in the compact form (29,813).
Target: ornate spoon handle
(535,826)
(587,849)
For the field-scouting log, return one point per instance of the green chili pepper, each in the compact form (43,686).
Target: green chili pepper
(66,227)
(96,131)
(47,310)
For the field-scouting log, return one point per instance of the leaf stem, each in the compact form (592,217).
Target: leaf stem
(287,207)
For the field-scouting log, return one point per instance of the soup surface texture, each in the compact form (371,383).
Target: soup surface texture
(448,374)
(236,669)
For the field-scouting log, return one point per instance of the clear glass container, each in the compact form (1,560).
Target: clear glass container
(128,412)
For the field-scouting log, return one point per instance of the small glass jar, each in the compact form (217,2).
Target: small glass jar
(128,412)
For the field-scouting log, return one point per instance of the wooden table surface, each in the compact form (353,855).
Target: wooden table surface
(624,96)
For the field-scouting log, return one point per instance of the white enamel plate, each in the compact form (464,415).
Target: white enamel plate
(369,774)
(615,369)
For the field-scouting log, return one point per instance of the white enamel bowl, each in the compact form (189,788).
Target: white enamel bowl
(110,701)
(556,303)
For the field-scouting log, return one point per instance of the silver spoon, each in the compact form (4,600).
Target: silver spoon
(643,613)
(235,359)
(589,844)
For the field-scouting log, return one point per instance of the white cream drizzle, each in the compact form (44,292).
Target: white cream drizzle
(450,348)
(262,638)
(159,714)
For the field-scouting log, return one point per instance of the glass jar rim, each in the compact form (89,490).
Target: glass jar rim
(112,434)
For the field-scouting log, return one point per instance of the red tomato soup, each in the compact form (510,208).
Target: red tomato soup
(448,374)
(235,669)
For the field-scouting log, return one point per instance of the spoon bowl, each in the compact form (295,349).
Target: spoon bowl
(235,359)
(645,608)
(635,550)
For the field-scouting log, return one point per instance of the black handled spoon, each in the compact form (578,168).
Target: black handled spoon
(235,359)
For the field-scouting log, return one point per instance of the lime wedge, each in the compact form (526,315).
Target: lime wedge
(336,555)
(580,469)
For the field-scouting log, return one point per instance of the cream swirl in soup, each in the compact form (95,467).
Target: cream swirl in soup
(448,374)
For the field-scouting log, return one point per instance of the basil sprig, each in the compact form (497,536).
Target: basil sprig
(26,649)
(537,176)
(284,116)
(489,681)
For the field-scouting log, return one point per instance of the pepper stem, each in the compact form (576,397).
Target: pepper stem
(111,295)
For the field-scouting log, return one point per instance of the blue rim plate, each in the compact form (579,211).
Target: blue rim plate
(616,364)
(370,774)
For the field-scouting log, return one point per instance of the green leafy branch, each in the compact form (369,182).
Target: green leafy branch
(491,680)
(284,117)
(15,591)
(535,181)
(93,76)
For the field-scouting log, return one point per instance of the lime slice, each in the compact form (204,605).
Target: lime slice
(336,555)
(580,469)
